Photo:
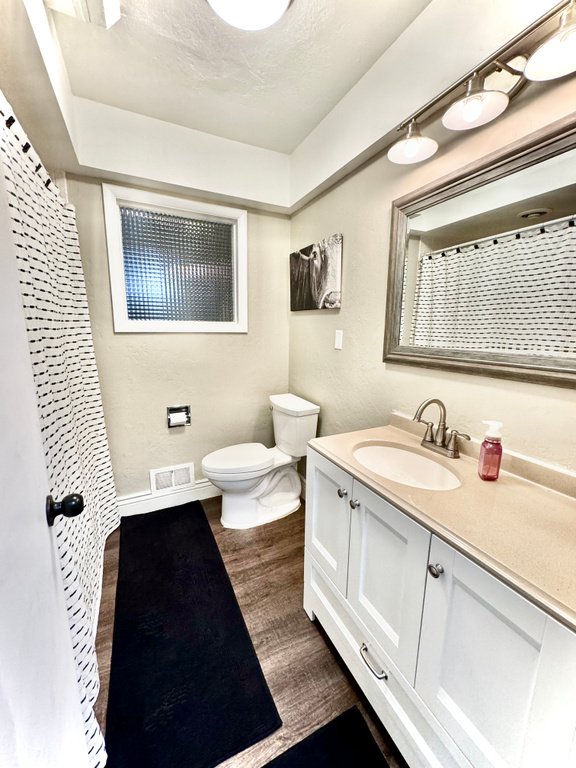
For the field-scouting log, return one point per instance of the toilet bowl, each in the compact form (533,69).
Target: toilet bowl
(262,484)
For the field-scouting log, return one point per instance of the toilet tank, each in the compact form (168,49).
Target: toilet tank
(295,421)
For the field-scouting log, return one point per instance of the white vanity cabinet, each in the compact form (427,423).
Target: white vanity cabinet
(464,671)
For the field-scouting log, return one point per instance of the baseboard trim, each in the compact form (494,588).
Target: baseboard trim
(141,503)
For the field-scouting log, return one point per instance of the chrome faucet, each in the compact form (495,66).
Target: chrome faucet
(440,443)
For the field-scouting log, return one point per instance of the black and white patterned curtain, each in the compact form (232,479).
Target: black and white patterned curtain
(68,394)
(514,293)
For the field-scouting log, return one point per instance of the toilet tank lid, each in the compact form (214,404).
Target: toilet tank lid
(245,457)
(293,405)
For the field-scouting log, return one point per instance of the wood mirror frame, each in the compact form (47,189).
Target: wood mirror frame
(557,138)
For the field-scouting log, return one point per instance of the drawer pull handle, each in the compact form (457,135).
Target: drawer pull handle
(354,503)
(435,570)
(342,492)
(382,675)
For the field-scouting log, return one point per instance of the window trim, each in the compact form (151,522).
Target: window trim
(115,196)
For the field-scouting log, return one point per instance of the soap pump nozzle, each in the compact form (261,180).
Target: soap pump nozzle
(493,432)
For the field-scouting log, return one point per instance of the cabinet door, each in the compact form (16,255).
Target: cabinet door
(328,491)
(551,730)
(479,656)
(387,575)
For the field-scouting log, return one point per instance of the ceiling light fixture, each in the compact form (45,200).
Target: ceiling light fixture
(557,56)
(477,107)
(250,15)
(413,148)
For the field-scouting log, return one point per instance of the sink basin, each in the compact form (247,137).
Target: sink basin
(405,465)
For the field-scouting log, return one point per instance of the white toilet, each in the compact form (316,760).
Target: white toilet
(261,484)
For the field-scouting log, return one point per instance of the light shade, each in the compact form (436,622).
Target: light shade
(413,148)
(557,56)
(250,15)
(476,108)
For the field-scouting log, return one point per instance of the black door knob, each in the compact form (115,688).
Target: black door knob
(70,506)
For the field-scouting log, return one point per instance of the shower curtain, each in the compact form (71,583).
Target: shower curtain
(68,394)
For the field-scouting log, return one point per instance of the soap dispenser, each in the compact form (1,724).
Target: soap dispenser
(491,452)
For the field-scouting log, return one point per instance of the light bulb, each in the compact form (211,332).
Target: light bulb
(413,148)
(410,147)
(477,107)
(250,15)
(472,109)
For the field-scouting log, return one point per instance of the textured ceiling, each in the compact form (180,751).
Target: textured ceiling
(176,61)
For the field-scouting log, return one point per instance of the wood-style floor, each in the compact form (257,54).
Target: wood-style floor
(309,683)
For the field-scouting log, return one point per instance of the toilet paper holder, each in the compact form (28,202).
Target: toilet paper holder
(178,415)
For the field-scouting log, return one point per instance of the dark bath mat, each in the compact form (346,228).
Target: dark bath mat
(186,687)
(346,742)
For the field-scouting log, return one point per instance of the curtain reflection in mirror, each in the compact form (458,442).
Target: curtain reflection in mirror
(513,293)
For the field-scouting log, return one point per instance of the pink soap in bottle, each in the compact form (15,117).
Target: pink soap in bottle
(491,452)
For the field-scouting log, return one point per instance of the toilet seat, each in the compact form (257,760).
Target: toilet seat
(239,459)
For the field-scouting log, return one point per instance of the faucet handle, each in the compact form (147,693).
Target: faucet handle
(429,436)
(452,444)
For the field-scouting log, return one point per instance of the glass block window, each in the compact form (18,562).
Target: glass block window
(177,268)
(175,265)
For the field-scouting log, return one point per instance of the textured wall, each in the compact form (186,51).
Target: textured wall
(354,387)
(226,378)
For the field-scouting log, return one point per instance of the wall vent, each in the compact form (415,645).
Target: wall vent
(169,479)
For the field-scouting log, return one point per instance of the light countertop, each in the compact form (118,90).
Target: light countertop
(522,532)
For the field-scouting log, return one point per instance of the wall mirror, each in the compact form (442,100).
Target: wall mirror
(482,274)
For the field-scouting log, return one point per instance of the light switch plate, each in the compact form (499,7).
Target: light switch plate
(338,339)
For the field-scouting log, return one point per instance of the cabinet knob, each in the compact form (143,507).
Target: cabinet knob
(342,492)
(354,503)
(435,570)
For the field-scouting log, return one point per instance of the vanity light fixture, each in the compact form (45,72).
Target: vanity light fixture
(494,82)
(250,15)
(413,148)
(556,57)
(477,107)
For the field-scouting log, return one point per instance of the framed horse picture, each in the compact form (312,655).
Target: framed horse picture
(316,275)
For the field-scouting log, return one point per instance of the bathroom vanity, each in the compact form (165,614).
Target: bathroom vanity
(455,610)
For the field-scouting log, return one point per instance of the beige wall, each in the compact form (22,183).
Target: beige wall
(226,378)
(354,387)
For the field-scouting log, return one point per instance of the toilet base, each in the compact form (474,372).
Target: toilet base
(277,496)
(276,513)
